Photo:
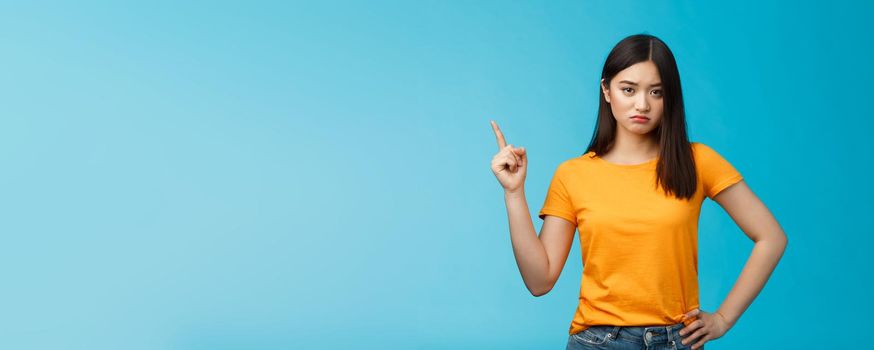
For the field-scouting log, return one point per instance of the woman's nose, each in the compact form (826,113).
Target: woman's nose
(641,104)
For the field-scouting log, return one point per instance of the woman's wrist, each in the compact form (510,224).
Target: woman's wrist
(515,193)
(730,322)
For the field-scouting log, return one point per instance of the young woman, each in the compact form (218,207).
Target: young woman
(635,196)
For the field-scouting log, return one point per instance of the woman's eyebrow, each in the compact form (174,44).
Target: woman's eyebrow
(633,83)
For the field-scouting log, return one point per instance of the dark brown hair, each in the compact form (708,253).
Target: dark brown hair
(676,166)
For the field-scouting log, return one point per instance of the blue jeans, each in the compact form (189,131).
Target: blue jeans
(629,338)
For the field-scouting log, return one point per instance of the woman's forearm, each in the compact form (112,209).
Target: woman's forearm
(761,263)
(529,251)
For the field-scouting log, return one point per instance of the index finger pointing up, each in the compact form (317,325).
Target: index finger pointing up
(501,142)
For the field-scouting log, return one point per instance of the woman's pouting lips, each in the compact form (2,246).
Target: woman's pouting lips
(640,119)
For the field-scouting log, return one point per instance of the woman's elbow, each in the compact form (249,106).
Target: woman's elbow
(540,292)
(783,240)
(779,242)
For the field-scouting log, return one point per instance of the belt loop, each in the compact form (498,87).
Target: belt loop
(615,332)
(671,334)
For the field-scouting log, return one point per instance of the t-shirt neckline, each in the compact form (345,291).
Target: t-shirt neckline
(623,166)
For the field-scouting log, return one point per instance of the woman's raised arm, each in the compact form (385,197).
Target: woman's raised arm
(540,259)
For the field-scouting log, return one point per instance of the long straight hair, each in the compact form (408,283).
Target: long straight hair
(676,166)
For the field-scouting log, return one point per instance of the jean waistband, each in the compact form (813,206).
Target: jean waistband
(643,334)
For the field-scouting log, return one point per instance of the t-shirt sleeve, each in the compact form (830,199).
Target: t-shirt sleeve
(717,173)
(558,202)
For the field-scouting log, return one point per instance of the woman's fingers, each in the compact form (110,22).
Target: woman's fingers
(502,161)
(691,314)
(505,159)
(520,155)
(511,164)
(511,158)
(517,155)
(688,340)
(499,135)
(691,327)
(695,328)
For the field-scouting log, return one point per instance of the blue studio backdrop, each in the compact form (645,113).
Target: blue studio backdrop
(315,175)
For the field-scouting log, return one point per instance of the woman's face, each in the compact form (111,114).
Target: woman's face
(636,90)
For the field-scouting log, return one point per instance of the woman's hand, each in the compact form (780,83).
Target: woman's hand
(708,326)
(510,164)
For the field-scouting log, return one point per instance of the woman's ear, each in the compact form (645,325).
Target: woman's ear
(605,91)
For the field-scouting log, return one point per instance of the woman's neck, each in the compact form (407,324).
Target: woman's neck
(631,148)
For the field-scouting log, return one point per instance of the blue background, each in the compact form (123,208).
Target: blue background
(273,175)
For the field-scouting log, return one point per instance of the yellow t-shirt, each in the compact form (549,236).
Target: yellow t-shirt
(639,246)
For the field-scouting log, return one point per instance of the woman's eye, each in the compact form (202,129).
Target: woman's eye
(657,92)
(627,88)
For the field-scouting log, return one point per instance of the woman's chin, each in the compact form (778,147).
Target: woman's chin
(639,129)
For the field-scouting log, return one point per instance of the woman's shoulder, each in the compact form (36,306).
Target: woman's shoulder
(706,156)
(575,164)
(584,158)
(700,149)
